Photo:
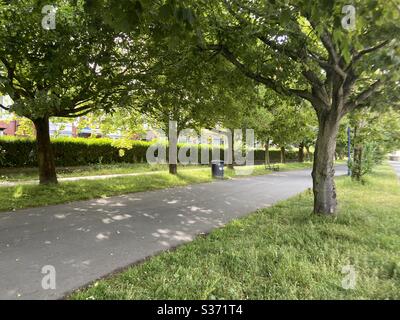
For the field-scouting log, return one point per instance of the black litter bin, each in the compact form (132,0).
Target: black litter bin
(217,169)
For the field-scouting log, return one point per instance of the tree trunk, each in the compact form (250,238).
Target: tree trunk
(173,147)
(47,168)
(231,165)
(324,188)
(308,153)
(173,168)
(283,155)
(267,160)
(301,152)
(356,172)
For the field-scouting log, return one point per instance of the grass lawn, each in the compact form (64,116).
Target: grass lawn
(25,196)
(260,169)
(283,252)
(21,174)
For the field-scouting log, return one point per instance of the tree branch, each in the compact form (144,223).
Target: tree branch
(255,76)
(334,56)
(75,112)
(295,55)
(328,44)
(268,82)
(362,53)
(322,63)
(75,115)
(371,49)
(363,96)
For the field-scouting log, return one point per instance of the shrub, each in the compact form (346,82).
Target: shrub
(2,156)
(365,158)
(69,152)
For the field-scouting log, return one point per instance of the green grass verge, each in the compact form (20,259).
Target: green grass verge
(260,169)
(23,174)
(283,252)
(25,196)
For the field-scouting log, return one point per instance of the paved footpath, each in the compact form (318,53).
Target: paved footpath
(89,239)
(98,177)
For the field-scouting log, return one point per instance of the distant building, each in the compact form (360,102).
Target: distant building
(8,128)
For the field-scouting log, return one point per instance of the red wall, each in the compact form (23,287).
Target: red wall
(10,127)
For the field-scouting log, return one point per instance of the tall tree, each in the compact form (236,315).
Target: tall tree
(310,49)
(182,87)
(291,123)
(259,119)
(188,91)
(67,71)
(374,135)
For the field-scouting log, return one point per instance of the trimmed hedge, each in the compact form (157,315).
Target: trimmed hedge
(69,152)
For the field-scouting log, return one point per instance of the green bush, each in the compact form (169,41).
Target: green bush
(365,158)
(70,152)
(2,156)
(21,152)
(274,156)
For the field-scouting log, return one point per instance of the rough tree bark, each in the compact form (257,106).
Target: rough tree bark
(173,168)
(324,188)
(301,152)
(47,168)
(283,155)
(267,159)
(308,153)
(231,162)
(173,132)
(356,173)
